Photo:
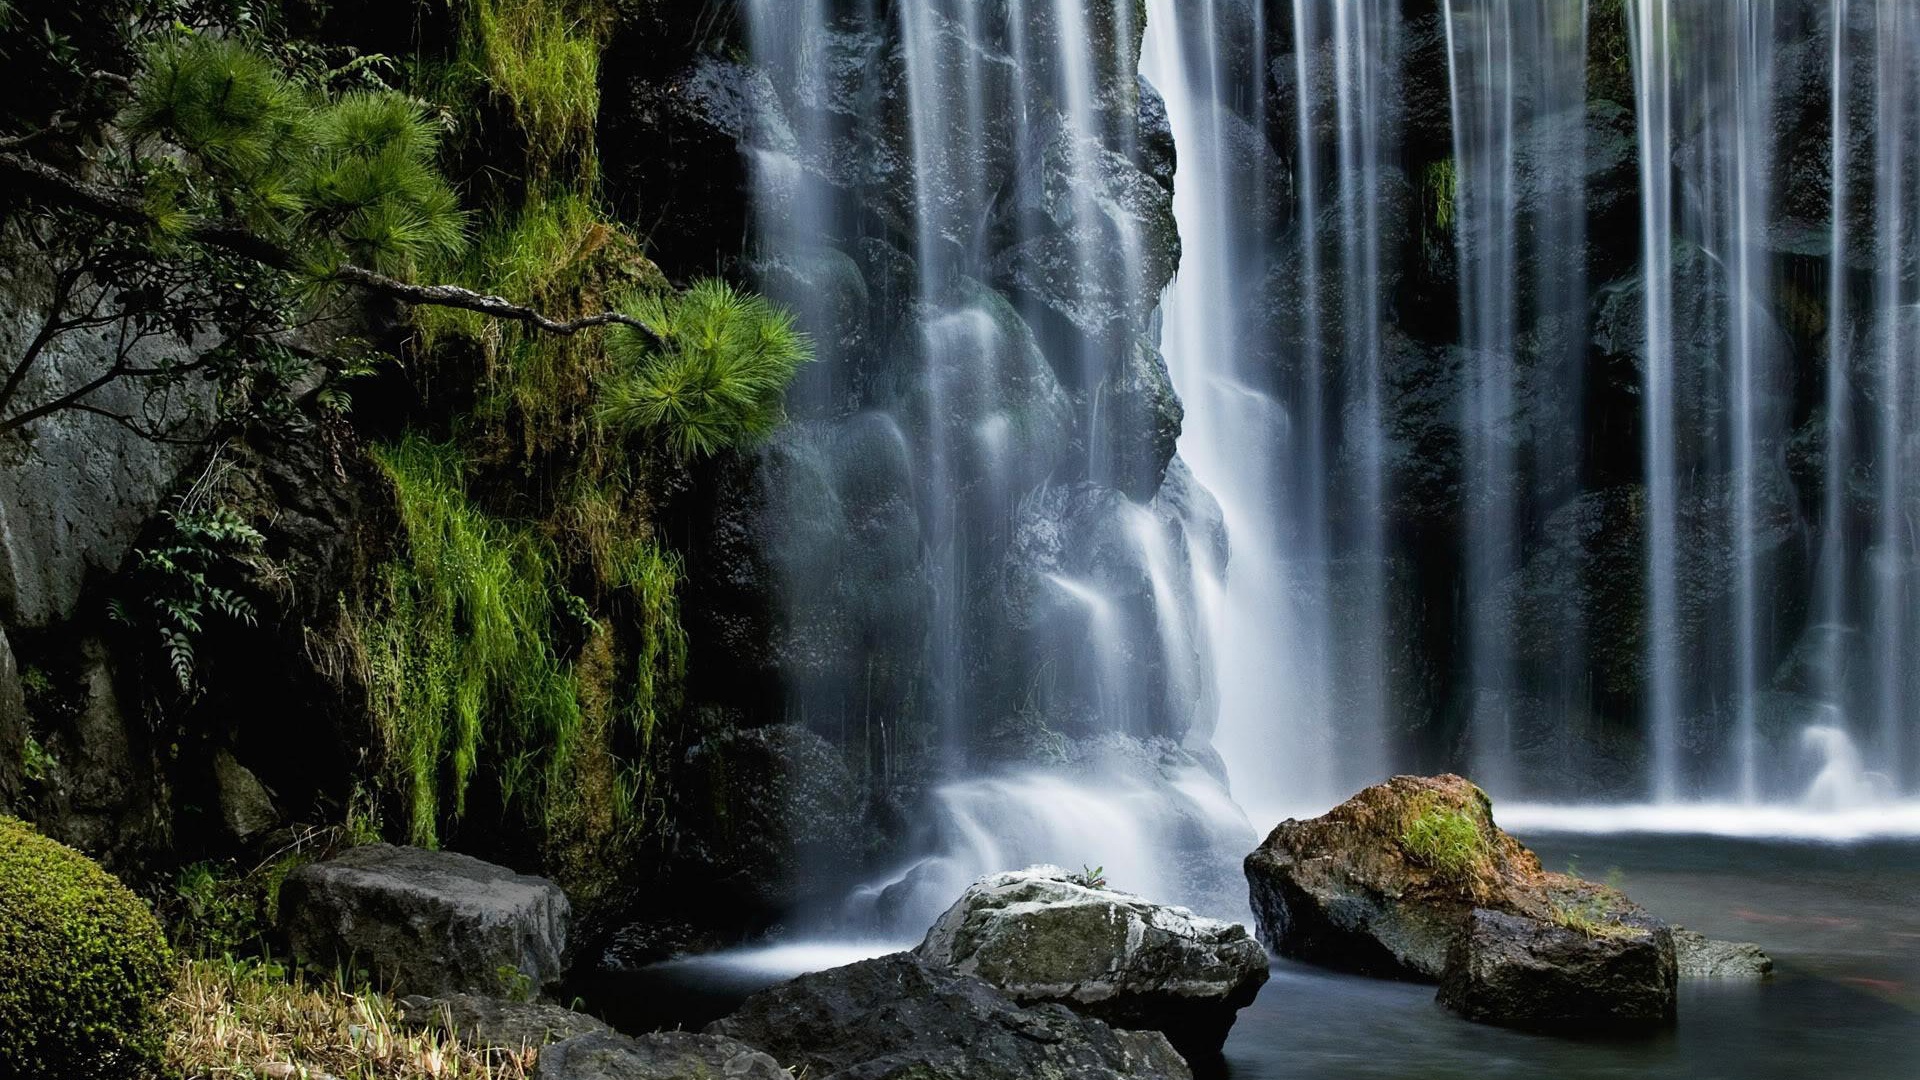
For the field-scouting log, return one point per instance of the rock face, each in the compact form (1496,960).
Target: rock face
(1412,879)
(899,1017)
(13,730)
(493,1023)
(1521,972)
(1702,957)
(428,922)
(1040,936)
(665,1055)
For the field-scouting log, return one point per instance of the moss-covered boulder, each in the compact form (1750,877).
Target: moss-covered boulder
(84,966)
(1412,879)
(1382,884)
(1044,935)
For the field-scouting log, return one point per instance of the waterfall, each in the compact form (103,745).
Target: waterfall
(1517,88)
(1546,422)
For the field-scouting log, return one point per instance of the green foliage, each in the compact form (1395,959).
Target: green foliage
(348,179)
(1443,192)
(461,655)
(173,596)
(1594,911)
(1446,840)
(84,967)
(1090,877)
(36,764)
(650,576)
(717,379)
(541,60)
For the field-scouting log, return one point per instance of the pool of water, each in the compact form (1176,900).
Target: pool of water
(1841,920)
(1842,923)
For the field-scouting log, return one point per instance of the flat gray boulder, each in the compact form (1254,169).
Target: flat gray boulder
(1041,935)
(900,1018)
(664,1055)
(1702,957)
(494,1024)
(428,922)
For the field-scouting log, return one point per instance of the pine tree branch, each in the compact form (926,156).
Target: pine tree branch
(56,186)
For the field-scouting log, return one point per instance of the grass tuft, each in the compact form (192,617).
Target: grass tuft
(248,1020)
(1446,840)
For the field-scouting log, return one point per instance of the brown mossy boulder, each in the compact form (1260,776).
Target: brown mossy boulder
(1405,880)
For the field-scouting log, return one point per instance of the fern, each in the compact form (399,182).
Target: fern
(172,597)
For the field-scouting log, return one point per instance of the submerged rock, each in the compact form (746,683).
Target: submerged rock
(1524,972)
(1412,879)
(663,1055)
(428,922)
(900,1017)
(1042,936)
(1702,957)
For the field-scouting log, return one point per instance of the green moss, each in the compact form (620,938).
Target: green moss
(459,655)
(84,967)
(1446,840)
(541,60)
(1443,192)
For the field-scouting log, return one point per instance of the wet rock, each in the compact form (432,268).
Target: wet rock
(1042,936)
(772,814)
(1525,972)
(899,1017)
(1702,957)
(664,1055)
(493,1023)
(1412,879)
(76,488)
(1342,889)
(428,922)
(246,808)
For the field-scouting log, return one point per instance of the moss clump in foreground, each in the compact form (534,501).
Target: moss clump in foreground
(84,967)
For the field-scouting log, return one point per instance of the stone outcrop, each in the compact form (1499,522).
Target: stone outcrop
(900,1017)
(1412,879)
(428,922)
(1042,936)
(1702,957)
(664,1055)
(493,1023)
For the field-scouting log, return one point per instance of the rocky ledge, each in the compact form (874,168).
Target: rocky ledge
(1044,935)
(899,1017)
(428,922)
(1412,879)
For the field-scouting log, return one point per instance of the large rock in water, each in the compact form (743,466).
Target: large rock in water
(1412,879)
(428,922)
(899,1017)
(1042,936)
(1521,972)
(492,1023)
(664,1055)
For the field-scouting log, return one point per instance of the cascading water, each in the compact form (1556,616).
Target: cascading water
(1500,449)
(982,544)
(1517,82)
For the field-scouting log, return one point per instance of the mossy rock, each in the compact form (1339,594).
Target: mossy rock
(84,966)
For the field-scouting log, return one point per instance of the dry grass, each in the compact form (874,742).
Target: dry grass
(234,1020)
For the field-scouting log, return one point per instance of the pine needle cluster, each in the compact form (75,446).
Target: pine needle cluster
(351,178)
(717,377)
